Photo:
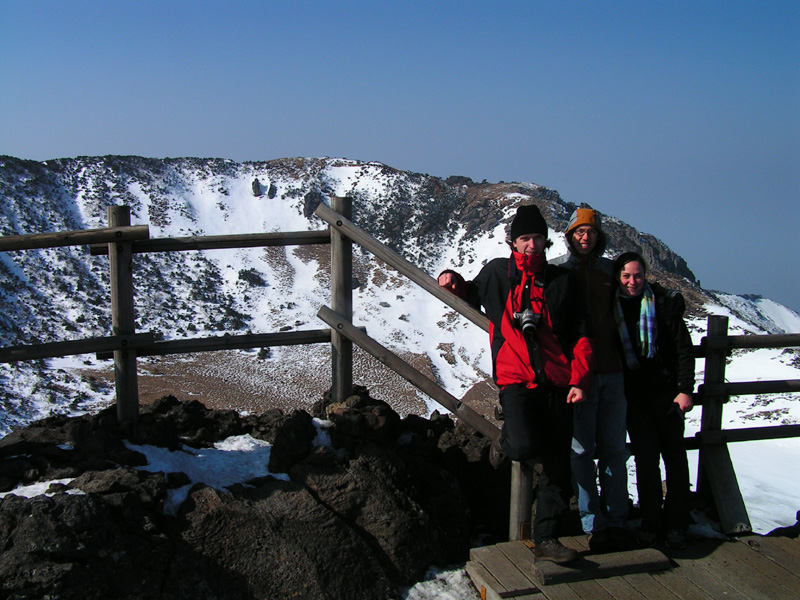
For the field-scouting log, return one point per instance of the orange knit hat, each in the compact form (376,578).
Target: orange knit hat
(583,216)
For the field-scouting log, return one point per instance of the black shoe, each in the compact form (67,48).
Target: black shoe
(676,539)
(646,538)
(600,542)
(621,539)
(497,458)
(553,550)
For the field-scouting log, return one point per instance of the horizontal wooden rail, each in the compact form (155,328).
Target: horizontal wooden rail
(224,242)
(393,259)
(69,348)
(74,238)
(231,342)
(746,388)
(409,373)
(732,342)
(747,434)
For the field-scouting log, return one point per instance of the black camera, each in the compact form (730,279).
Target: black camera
(527,320)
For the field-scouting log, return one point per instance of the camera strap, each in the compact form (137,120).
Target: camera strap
(530,340)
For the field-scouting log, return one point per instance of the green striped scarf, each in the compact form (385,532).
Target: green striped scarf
(648,329)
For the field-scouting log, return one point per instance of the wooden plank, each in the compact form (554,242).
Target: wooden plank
(341,304)
(785,547)
(714,568)
(707,569)
(621,589)
(230,342)
(725,489)
(519,514)
(513,581)
(518,552)
(782,546)
(656,585)
(123,318)
(729,342)
(590,590)
(113,234)
(596,566)
(488,587)
(579,543)
(773,550)
(773,578)
(746,388)
(222,242)
(561,591)
(711,417)
(73,347)
(768,432)
(701,573)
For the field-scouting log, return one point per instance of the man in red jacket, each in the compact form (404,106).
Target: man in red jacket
(541,359)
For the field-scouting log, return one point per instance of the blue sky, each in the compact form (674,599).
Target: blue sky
(680,118)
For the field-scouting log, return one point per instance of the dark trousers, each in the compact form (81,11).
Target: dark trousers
(656,430)
(537,423)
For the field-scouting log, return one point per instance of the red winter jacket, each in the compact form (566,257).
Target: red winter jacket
(562,336)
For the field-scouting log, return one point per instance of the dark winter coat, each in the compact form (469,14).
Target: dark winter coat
(672,368)
(595,278)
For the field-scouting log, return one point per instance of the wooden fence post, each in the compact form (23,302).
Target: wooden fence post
(519,522)
(341,303)
(120,258)
(715,472)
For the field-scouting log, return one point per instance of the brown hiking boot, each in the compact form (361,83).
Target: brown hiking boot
(553,550)
(497,458)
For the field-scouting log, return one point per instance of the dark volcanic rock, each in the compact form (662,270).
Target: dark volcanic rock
(285,541)
(358,518)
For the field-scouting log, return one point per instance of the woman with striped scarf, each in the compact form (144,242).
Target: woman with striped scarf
(659,380)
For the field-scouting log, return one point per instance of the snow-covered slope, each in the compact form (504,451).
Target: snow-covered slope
(63,293)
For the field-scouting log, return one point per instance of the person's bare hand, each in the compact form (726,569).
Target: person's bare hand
(684,402)
(448,282)
(575,395)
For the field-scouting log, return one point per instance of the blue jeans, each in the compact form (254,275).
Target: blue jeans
(599,427)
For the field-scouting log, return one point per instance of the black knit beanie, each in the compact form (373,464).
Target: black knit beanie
(527,220)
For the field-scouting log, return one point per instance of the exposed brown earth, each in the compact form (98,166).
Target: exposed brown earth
(296,379)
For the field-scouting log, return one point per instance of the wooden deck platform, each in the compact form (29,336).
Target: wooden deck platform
(748,568)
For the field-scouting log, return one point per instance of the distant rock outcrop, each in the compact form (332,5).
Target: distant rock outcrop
(357,519)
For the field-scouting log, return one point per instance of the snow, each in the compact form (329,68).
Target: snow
(39,489)
(785,318)
(234,460)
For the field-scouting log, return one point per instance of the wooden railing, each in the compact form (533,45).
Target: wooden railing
(121,241)
(716,476)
